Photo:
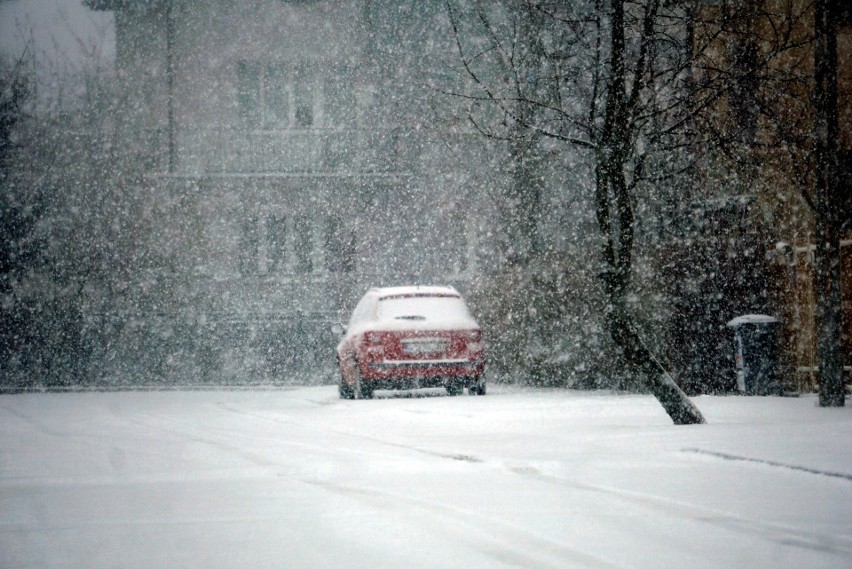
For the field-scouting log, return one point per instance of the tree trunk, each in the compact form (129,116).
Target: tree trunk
(636,354)
(613,197)
(523,197)
(675,402)
(828,206)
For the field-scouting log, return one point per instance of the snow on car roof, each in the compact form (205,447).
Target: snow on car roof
(402,291)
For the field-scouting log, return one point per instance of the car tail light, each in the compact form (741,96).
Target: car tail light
(474,335)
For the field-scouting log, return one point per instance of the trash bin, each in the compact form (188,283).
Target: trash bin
(756,354)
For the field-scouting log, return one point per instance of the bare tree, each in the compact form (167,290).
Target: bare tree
(69,225)
(18,218)
(611,78)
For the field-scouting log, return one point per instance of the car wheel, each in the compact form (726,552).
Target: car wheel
(477,388)
(345,390)
(363,390)
(454,387)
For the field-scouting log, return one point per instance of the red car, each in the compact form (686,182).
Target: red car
(410,338)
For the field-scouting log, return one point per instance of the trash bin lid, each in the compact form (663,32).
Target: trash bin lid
(752,319)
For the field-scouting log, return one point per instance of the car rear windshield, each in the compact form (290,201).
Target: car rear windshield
(422,307)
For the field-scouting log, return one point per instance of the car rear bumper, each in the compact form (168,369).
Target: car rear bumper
(422,370)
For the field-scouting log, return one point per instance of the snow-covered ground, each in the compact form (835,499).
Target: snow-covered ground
(299,479)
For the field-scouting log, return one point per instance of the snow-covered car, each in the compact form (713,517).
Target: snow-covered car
(410,338)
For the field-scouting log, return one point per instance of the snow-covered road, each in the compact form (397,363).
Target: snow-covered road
(297,478)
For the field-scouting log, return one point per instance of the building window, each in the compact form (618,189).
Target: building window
(339,246)
(285,244)
(276,242)
(249,248)
(303,240)
(277,96)
(249,94)
(744,98)
(304,106)
(844,14)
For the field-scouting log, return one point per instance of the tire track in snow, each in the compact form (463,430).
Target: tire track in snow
(494,537)
(733,457)
(493,541)
(39,425)
(464,457)
(835,544)
(840,545)
(488,535)
(193,433)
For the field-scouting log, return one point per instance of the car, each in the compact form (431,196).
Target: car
(411,337)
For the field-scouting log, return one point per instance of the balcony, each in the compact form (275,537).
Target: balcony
(214,150)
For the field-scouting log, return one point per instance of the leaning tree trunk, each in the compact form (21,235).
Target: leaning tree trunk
(616,220)
(675,402)
(611,186)
(617,247)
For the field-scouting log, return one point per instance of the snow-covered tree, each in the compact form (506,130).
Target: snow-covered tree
(69,231)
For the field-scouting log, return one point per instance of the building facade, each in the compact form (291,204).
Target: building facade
(763,53)
(294,154)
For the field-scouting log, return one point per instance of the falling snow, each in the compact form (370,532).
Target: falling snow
(638,201)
